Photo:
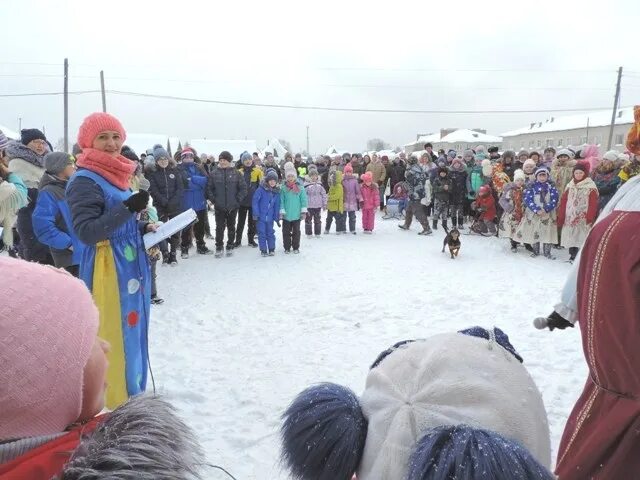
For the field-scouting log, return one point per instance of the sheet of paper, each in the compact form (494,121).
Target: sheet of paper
(167,229)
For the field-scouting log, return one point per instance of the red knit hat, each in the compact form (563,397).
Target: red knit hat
(96,123)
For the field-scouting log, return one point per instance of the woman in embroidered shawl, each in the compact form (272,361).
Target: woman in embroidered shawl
(114,266)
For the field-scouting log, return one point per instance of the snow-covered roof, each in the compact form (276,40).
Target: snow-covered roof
(333,151)
(214,147)
(464,135)
(597,118)
(389,153)
(274,146)
(9,133)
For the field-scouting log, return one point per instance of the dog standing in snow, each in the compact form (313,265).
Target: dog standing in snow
(452,240)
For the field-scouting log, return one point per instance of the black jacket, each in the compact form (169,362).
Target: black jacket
(226,188)
(30,248)
(458,186)
(396,174)
(167,186)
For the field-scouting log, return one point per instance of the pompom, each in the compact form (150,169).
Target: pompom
(465,453)
(323,433)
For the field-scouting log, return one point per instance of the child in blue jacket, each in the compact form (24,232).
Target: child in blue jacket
(266,210)
(194,196)
(51,217)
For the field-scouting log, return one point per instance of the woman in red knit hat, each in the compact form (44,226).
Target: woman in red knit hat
(114,265)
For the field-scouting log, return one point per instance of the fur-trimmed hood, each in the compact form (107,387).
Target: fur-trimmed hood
(144,440)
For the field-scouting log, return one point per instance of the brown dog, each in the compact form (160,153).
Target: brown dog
(452,240)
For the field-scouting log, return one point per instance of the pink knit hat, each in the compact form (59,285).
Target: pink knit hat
(348,168)
(48,326)
(96,123)
(367,177)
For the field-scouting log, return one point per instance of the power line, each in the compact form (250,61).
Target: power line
(342,109)
(479,70)
(333,85)
(44,94)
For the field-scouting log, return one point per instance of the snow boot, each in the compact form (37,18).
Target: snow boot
(264,253)
(296,251)
(165,259)
(403,227)
(547,251)
(156,300)
(535,249)
(203,250)
(237,244)
(173,260)
(184,253)
(287,251)
(229,252)
(218,253)
(272,253)
(253,244)
(426,231)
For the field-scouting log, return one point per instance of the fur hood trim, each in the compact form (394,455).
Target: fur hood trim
(144,440)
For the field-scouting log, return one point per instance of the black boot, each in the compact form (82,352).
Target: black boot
(173,261)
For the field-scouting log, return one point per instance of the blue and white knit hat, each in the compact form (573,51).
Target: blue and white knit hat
(424,403)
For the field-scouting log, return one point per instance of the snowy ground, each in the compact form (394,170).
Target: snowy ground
(238,338)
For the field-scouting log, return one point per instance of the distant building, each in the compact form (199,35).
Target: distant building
(571,131)
(458,139)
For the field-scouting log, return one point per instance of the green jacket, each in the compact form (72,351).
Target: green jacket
(336,194)
(293,201)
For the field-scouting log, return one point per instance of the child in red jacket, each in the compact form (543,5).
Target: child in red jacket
(486,206)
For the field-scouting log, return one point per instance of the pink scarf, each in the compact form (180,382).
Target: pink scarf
(293,187)
(116,170)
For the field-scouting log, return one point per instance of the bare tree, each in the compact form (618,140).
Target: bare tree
(377,144)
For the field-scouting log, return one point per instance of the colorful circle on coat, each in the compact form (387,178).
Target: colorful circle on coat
(172,176)
(129,253)
(133,286)
(132,318)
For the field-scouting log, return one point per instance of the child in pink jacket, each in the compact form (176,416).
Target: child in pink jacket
(370,199)
(352,195)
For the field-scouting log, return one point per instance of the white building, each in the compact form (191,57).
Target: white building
(572,131)
(141,142)
(458,139)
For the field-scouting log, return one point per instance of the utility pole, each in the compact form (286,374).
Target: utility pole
(20,124)
(615,109)
(66,105)
(308,152)
(104,97)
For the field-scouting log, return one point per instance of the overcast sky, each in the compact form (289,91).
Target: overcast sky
(400,55)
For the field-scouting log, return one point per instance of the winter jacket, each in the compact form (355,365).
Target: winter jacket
(167,185)
(226,188)
(293,201)
(301,169)
(458,185)
(142,439)
(475,180)
(487,206)
(194,194)
(379,172)
(30,247)
(416,178)
(511,200)
(352,196)
(265,205)
(316,195)
(91,223)
(370,196)
(396,174)
(541,196)
(51,222)
(25,163)
(442,189)
(607,184)
(252,177)
(335,202)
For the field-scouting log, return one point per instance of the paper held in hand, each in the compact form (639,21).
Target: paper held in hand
(167,229)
